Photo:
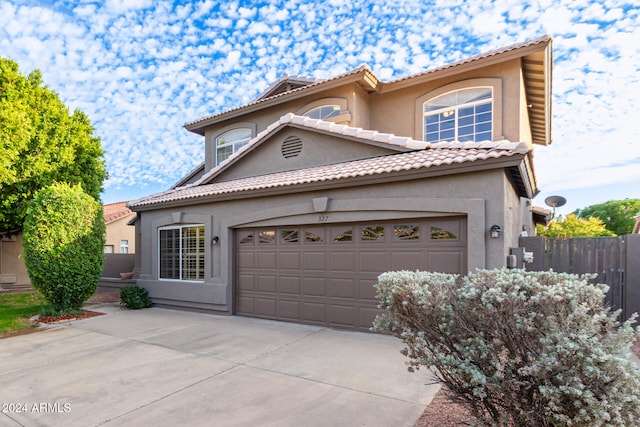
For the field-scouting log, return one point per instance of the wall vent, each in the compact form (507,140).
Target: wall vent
(291,147)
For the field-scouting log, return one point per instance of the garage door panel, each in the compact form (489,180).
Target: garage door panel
(343,288)
(374,261)
(266,307)
(266,284)
(314,312)
(246,260)
(342,261)
(343,315)
(289,260)
(446,262)
(289,285)
(368,290)
(246,305)
(315,260)
(326,275)
(289,310)
(267,259)
(314,286)
(246,282)
(407,260)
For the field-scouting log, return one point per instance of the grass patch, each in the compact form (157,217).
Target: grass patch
(16,309)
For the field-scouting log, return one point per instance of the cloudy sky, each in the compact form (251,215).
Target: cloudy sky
(140,69)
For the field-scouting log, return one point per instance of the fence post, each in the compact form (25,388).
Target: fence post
(632,276)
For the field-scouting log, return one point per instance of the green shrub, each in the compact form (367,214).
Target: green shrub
(517,348)
(135,297)
(63,245)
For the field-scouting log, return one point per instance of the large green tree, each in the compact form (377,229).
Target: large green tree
(617,215)
(41,143)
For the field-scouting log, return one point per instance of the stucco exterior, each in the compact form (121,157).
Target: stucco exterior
(343,174)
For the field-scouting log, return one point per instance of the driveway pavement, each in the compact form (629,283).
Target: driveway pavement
(166,368)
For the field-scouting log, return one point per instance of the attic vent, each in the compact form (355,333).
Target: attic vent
(291,147)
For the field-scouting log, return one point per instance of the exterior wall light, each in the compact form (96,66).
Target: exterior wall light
(214,240)
(495,231)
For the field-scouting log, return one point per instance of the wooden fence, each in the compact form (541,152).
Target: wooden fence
(615,260)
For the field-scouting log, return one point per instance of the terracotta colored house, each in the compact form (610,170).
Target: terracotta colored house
(309,192)
(120,237)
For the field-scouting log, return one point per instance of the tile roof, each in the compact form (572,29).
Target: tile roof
(439,154)
(114,211)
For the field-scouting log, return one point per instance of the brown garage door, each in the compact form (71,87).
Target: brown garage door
(325,275)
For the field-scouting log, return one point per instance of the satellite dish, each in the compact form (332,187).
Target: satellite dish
(555,201)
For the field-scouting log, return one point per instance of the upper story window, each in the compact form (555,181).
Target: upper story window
(462,115)
(323,112)
(230,142)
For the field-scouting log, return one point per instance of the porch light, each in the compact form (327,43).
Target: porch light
(214,240)
(495,231)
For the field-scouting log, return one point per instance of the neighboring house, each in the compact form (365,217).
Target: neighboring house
(636,227)
(296,208)
(120,237)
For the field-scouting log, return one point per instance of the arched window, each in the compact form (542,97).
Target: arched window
(230,142)
(462,115)
(323,112)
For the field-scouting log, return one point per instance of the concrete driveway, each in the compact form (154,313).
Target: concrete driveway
(166,368)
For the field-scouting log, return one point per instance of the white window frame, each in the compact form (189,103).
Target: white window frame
(453,108)
(199,256)
(324,112)
(235,144)
(124,246)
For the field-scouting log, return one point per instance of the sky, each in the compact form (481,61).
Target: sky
(141,69)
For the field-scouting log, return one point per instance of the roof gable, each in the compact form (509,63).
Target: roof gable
(368,139)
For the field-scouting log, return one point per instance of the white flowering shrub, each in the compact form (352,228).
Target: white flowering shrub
(517,348)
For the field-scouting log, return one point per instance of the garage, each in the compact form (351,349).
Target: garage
(325,274)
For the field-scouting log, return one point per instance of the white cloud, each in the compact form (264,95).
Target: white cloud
(142,68)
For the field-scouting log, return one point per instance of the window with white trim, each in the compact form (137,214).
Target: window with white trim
(181,252)
(323,112)
(230,142)
(124,246)
(461,115)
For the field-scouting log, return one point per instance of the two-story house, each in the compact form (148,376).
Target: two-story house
(316,187)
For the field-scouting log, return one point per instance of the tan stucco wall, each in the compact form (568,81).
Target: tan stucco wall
(12,268)
(479,196)
(317,149)
(119,230)
(399,111)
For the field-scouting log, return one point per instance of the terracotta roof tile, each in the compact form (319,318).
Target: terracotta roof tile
(436,155)
(114,211)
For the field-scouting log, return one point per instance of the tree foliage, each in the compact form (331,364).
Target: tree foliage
(63,244)
(572,226)
(41,143)
(517,348)
(617,215)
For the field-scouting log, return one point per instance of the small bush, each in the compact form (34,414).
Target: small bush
(517,348)
(63,245)
(135,297)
